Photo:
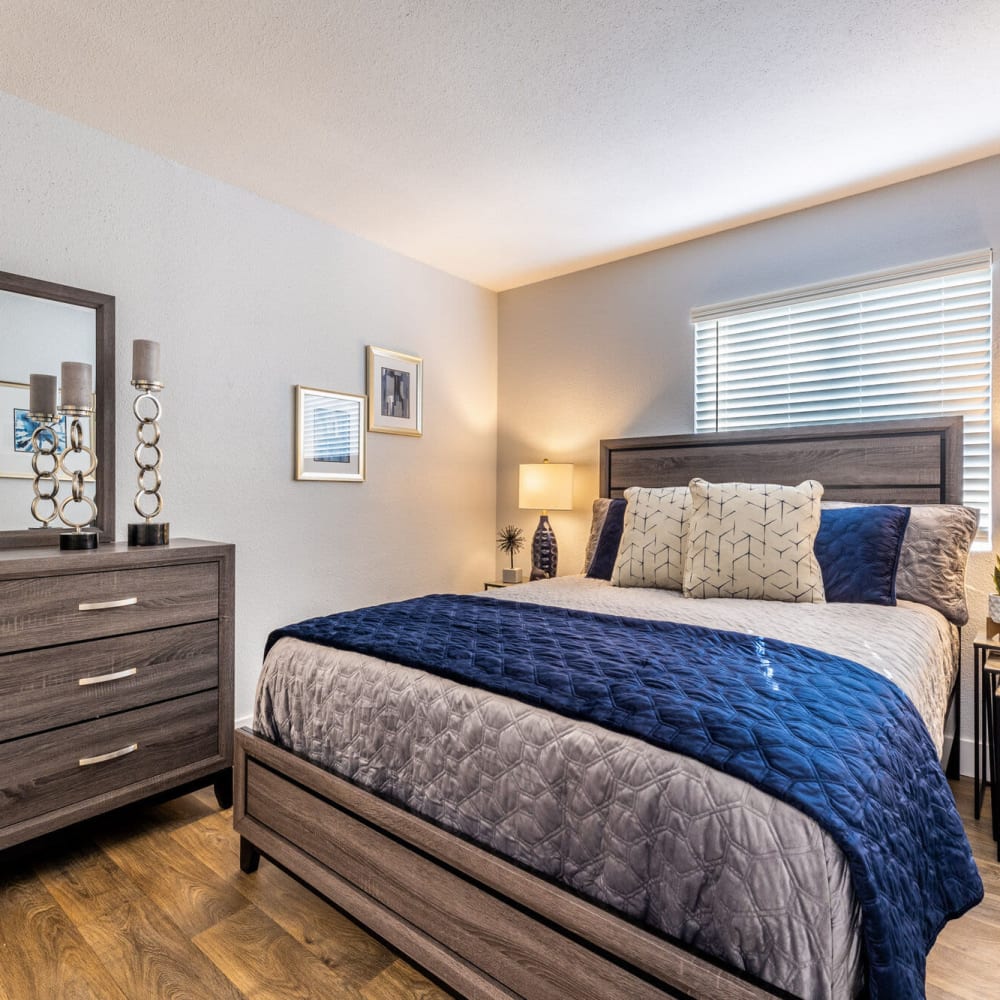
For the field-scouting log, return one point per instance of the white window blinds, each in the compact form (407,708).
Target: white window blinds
(906,343)
(331,428)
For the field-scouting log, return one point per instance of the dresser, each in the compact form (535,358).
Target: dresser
(116,679)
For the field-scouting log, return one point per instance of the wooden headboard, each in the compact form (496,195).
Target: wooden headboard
(898,461)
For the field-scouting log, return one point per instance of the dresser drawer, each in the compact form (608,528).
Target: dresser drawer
(46,688)
(39,774)
(63,608)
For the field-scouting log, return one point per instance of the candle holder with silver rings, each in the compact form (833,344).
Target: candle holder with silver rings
(147,410)
(77,461)
(45,448)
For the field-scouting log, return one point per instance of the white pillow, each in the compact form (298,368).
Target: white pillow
(651,553)
(753,541)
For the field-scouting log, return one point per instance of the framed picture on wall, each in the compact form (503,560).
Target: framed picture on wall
(329,435)
(395,392)
(16,428)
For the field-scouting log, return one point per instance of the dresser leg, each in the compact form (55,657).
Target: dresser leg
(224,788)
(249,857)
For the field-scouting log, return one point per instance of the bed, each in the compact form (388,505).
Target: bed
(462,862)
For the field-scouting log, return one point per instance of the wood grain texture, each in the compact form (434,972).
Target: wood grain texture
(45,609)
(82,915)
(511,947)
(151,957)
(33,927)
(178,638)
(265,962)
(333,938)
(359,880)
(41,689)
(646,951)
(42,772)
(916,461)
(67,880)
(375,893)
(189,892)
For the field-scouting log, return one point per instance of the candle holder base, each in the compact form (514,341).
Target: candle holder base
(77,541)
(148,533)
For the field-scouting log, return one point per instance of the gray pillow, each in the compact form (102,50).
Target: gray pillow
(601,505)
(932,561)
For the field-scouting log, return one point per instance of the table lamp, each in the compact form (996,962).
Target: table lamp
(545,486)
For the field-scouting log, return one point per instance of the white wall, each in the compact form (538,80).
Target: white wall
(248,299)
(609,352)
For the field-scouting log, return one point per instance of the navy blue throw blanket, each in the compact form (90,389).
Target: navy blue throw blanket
(828,736)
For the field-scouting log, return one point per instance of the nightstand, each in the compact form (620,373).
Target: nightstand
(499,585)
(991,727)
(986,653)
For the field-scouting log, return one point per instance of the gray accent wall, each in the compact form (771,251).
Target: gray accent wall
(609,351)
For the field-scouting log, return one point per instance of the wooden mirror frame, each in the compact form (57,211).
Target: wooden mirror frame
(104,417)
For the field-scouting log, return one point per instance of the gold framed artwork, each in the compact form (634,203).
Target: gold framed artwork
(329,435)
(395,392)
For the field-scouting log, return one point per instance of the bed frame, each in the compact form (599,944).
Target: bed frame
(483,926)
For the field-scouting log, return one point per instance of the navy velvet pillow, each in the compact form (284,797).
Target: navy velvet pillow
(858,551)
(606,550)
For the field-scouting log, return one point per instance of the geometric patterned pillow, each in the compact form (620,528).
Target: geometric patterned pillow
(653,539)
(753,541)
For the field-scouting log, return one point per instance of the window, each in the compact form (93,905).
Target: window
(906,343)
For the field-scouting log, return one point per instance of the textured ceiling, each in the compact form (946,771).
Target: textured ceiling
(513,140)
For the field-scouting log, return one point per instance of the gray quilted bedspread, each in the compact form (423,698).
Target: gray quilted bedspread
(691,852)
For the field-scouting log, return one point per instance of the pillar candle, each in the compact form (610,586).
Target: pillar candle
(145,361)
(42,394)
(76,385)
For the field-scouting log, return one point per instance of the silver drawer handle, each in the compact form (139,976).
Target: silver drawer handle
(101,758)
(131,672)
(101,605)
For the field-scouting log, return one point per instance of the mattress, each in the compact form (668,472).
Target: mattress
(700,856)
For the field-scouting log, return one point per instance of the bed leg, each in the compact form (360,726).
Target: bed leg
(249,857)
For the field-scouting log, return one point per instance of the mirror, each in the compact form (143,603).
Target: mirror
(41,325)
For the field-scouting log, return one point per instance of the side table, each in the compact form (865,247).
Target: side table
(984,651)
(982,647)
(991,727)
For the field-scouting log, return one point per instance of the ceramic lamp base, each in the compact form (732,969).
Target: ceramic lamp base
(149,533)
(544,551)
(77,541)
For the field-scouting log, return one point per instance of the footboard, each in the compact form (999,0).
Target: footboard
(481,925)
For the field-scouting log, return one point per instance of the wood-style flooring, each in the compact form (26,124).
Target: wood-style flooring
(150,903)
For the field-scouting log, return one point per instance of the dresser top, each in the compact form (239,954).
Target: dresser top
(41,560)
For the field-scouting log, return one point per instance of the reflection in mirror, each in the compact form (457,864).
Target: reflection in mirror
(42,325)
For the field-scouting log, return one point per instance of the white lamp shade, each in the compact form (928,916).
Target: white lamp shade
(545,486)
